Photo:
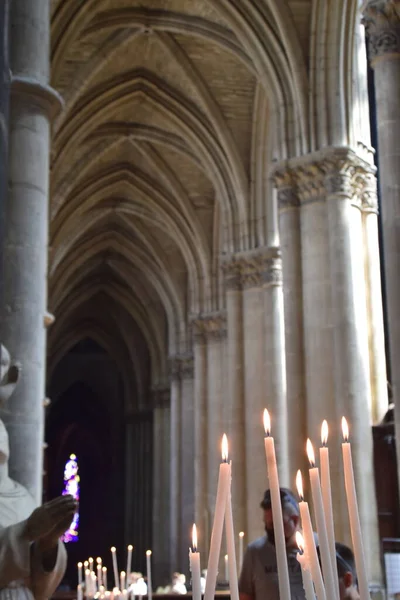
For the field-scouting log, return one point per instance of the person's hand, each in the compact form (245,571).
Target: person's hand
(48,521)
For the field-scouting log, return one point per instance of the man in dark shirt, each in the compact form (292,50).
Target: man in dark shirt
(259,576)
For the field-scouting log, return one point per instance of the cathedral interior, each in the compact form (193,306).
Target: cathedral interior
(200,219)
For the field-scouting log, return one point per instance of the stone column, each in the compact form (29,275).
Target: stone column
(4,103)
(161,461)
(215,329)
(381,18)
(235,399)
(25,241)
(344,173)
(187,456)
(200,434)
(275,363)
(175,465)
(290,245)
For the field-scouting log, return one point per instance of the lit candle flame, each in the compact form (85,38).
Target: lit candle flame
(104,569)
(80,565)
(324,432)
(345,429)
(148,552)
(98,560)
(194,538)
(86,564)
(310,453)
(267,423)
(299,485)
(300,541)
(224,448)
(130,547)
(123,574)
(113,549)
(90,561)
(241,534)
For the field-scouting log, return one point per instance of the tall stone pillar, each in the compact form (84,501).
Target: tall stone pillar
(382,21)
(161,462)
(344,175)
(175,465)
(4,103)
(200,434)
(235,399)
(275,359)
(290,245)
(33,103)
(187,457)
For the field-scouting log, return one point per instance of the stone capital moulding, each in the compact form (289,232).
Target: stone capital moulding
(256,268)
(40,95)
(331,173)
(381,19)
(160,397)
(181,367)
(209,327)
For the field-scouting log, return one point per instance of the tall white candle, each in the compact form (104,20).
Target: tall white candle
(309,541)
(327,501)
(226,568)
(305,568)
(129,563)
(330,585)
(216,535)
(79,594)
(194,560)
(104,577)
(91,563)
(280,543)
(115,567)
(148,567)
(230,568)
(354,517)
(80,573)
(87,582)
(123,580)
(241,536)
(99,573)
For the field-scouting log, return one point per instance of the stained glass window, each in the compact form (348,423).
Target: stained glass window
(71,486)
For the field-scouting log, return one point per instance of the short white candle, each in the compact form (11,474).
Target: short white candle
(305,568)
(149,583)
(194,560)
(226,567)
(87,582)
(327,501)
(216,535)
(115,567)
(241,536)
(276,504)
(104,577)
(354,517)
(91,563)
(330,585)
(230,563)
(129,563)
(123,580)
(80,579)
(309,542)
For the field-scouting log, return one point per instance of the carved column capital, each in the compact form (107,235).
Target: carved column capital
(209,327)
(382,23)
(160,397)
(285,183)
(181,367)
(254,269)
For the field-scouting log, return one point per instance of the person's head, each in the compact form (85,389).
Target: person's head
(290,514)
(346,567)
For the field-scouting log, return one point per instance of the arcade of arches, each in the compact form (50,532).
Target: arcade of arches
(192,194)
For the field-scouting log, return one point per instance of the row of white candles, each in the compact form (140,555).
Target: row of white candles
(96,584)
(325,587)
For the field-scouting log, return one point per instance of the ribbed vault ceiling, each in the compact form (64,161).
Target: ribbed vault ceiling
(173,109)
